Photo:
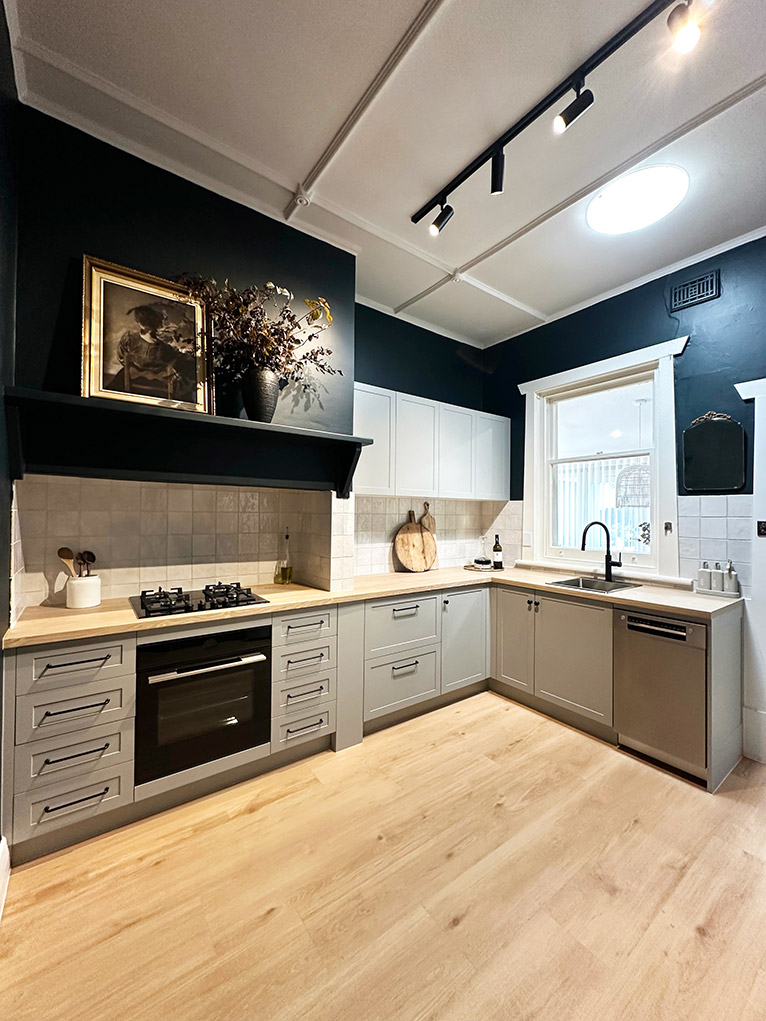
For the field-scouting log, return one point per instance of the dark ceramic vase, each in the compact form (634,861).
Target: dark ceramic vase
(260,392)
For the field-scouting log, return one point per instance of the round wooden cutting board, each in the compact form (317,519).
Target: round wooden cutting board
(415,546)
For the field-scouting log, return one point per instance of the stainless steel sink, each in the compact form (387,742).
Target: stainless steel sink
(593,584)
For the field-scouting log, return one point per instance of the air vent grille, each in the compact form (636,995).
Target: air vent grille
(694,292)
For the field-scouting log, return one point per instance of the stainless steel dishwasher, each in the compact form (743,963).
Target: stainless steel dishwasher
(660,688)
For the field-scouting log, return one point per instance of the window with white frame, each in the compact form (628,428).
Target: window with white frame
(600,446)
(600,466)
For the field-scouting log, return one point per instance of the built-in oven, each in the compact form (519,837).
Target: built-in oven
(201,699)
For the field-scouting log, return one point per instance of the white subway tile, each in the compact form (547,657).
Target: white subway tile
(712,506)
(740,528)
(689,528)
(713,528)
(740,505)
(712,550)
(739,551)
(689,549)
(688,506)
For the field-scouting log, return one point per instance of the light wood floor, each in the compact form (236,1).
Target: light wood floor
(477,863)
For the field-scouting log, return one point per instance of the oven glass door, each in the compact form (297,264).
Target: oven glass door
(184,721)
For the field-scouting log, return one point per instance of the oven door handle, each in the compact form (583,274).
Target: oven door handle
(178,675)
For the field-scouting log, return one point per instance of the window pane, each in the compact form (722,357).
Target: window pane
(615,490)
(605,422)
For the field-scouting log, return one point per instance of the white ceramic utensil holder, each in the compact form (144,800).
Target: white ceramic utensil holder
(82,592)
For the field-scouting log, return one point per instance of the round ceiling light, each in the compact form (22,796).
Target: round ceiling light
(637,200)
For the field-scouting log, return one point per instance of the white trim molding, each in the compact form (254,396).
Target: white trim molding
(5,872)
(658,359)
(752,389)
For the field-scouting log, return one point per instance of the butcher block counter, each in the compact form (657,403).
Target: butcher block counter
(41,624)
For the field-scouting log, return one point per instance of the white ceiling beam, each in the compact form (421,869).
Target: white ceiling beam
(414,321)
(303,193)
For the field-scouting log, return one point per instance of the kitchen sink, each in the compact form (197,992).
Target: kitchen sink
(593,584)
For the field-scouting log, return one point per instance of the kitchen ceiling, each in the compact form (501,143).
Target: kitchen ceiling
(371,108)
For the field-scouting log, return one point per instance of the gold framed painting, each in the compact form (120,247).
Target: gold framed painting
(143,339)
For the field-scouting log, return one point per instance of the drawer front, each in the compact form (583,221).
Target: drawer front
(393,625)
(396,682)
(300,696)
(310,659)
(54,759)
(304,626)
(61,804)
(79,707)
(56,666)
(291,730)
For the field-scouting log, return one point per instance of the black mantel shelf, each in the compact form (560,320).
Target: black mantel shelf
(59,434)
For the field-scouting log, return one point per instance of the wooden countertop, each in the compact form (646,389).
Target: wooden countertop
(39,625)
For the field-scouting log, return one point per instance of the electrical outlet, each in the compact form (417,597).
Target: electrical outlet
(762,529)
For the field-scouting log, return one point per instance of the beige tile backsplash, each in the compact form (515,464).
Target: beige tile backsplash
(149,534)
(460,525)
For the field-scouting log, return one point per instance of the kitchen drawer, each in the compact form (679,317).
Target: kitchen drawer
(398,681)
(56,666)
(302,695)
(309,659)
(54,759)
(78,707)
(300,727)
(304,626)
(71,801)
(395,625)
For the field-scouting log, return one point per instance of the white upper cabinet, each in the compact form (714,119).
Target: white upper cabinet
(456,452)
(424,448)
(417,443)
(375,417)
(493,457)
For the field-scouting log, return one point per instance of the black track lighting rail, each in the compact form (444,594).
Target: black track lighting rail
(574,81)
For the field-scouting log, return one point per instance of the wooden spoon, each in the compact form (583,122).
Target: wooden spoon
(89,558)
(65,554)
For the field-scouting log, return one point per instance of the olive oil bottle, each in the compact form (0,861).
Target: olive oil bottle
(283,573)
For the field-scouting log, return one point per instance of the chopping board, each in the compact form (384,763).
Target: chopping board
(428,520)
(415,546)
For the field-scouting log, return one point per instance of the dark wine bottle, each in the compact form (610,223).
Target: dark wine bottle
(497,555)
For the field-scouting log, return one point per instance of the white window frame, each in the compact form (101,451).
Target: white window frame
(657,360)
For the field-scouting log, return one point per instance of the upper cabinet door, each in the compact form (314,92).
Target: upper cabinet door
(417,440)
(375,417)
(456,452)
(493,457)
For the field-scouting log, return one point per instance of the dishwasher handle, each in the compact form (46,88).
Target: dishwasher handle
(694,635)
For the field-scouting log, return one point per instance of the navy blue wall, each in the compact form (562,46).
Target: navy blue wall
(79,195)
(727,345)
(399,356)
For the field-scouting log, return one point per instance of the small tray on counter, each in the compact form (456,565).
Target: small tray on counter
(483,570)
(716,592)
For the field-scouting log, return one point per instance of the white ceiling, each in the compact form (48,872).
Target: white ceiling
(372,108)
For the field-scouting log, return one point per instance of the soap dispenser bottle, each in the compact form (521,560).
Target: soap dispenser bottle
(703,576)
(730,580)
(716,578)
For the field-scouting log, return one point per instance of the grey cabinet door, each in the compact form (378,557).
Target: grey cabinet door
(464,637)
(515,638)
(573,656)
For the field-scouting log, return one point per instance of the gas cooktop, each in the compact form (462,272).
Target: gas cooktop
(170,602)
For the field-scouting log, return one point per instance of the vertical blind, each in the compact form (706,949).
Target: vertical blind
(585,491)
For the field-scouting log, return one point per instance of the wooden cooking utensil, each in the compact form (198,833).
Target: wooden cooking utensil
(80,564)
(415,546)
(428,520)
(88,559)
(64,553)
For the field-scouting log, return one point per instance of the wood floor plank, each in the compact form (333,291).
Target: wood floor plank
(478,863)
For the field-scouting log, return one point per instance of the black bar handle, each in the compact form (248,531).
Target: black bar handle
(306,659)
(313,623)
(401,609)
(77,755)
(77,662)
(77,708)
(90,797)
(406,666)
(306,694)
(309,726)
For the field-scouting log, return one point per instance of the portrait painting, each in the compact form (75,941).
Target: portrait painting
(142,339)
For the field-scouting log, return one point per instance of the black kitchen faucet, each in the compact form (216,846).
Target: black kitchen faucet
(608,561)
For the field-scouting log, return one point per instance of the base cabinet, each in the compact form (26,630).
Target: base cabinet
(464,637)
(573,656)
(515,638)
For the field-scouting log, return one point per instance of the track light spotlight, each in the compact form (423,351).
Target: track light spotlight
(683,28)
(498,172)
(445,215)
(576,108)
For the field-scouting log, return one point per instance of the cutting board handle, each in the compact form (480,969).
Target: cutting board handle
(411,518)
